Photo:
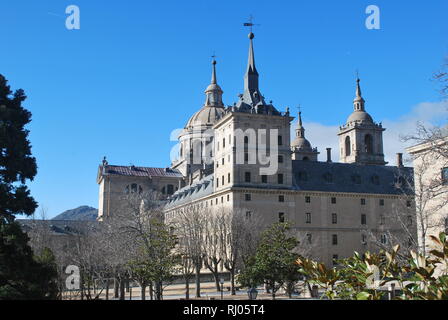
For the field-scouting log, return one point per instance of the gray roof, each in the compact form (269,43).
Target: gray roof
(141,171)
(197,190)
(352,178)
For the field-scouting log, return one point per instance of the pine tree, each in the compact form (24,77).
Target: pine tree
(21,275)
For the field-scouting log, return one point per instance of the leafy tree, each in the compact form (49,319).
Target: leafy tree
(16,163)
(274,261)
(21,276)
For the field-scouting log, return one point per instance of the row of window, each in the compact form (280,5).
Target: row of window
(335,241)
(246,141)
(334,219)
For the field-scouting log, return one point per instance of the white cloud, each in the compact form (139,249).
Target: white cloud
(323,136)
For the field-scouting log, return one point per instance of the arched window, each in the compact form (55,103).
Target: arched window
(347,147)
(368,143)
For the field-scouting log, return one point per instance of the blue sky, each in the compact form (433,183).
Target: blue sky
(136,70)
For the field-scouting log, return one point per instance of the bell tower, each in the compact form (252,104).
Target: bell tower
(361,139)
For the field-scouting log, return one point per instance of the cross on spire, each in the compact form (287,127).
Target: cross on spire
(250,24)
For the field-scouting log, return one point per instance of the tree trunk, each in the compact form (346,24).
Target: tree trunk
(116,288)
(107,289)
(122,289)
(143,291)
(218,285)
(151,290)
(187,288)
(198,281)
(158,286)
(232,281)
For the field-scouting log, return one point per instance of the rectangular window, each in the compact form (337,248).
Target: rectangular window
(248,197)
(248,214)
(280,159)
(217,182)
(333,200)
(264,178)
(228,178)
(363,219)
(364,239)
(334,239)
(222,161)
(246,157)
(382,220)
(247,176)
(222,180)
(408,203)
(384,239)
(281,198)
(308,217)
(281,217)
(228,198)
(334,218)
(280,178)
(307,199)
(224,142)
(280,140)
(409,220)
(363,202)
(381,202)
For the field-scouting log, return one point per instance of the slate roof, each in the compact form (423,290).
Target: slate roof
(141,171)
(352,178)
(192,192)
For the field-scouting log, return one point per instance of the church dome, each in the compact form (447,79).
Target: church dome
(360,116)
(301,143)
(206,116)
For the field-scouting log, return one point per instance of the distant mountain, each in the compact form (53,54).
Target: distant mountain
(83,213)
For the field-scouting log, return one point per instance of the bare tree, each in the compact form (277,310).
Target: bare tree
(190,230)
(442,77)
(428,187)
(214,244)
(242,229)
(138,229)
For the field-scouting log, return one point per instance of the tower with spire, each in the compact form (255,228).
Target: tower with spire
(249,126)
(196,139)
(361,139)
(301,147)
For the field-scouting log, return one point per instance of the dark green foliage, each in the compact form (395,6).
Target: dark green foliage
(22,276)
(16,163)
(274,261)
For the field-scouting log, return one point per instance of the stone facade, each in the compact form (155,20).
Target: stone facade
(242,157)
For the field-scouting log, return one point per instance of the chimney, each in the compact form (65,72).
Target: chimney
(399,160)
(329,155)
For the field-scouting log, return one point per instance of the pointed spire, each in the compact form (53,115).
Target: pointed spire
(251,57)
(214,72)
(300,131)
(251,91)
(213,92)
(359,101)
